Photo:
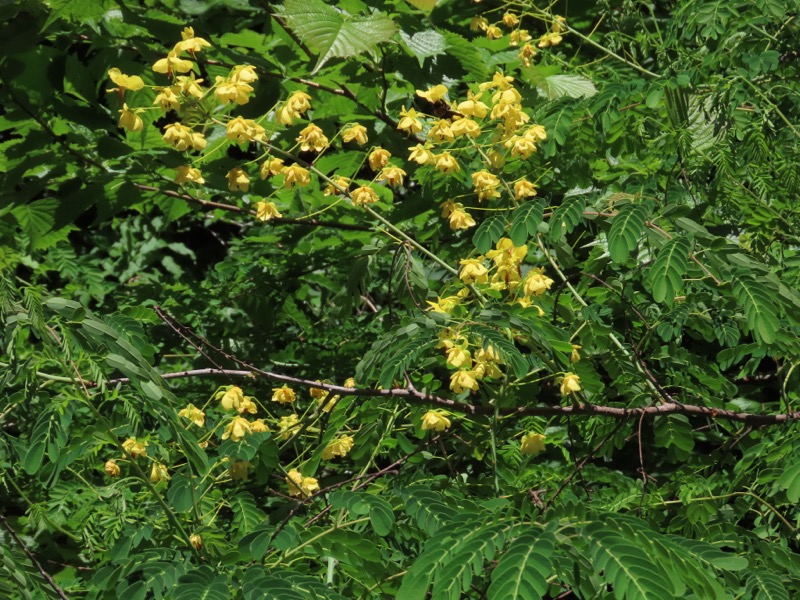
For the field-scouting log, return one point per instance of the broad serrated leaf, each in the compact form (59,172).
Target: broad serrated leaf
(424,44)
(334,33)
(759,309)
(626,229)
(36,218)
(524,568)
(467,55)
(566,217)
(571,86)
(487,234)
(508,351)
(526,221)
(666,274)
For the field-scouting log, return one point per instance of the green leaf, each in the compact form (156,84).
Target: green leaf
(762,584)
(760,311)
(666,274)
(333,33)
(467,55)
(506,348)
(424,44)
(487,234)
(674,430)
(523,570)
(570,86)
(401,359)
(790,481)
(43,433)
(381,515)
(626,229)
(567,216)
(526,221)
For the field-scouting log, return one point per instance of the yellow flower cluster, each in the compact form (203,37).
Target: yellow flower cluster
(301,486)
(470,367)
(435,420)
(338,447)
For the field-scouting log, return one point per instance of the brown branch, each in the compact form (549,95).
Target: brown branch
(32,558)
(236,209)
(421,398)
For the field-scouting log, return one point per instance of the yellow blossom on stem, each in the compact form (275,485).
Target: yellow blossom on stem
(228,92)
(444,305)
(559,24)
(230,397)
(243,74)
(570,384)
(247,406)
(537,133)
(318,393)
(458,357)
(435,420)
(284,395)
(333,188)
(238,180)
(295,175)
(461,381)
(111,468)
(196,541)
(312,138)
(125,82)
(409,121)
(510,20)
(485,184)
(575,356)
(549,39)
(357,133)
(363,195)
(190,43)
(478,24)
(129,119)
(378,158)
(519,36)
(244,130)
(421,155)
(392,175)
(499,81)
(532,444)
(301,486)
(338,447)
(493,32)
(167,99)
(459,218)
(182,138)
(473,271)
(524,189)
(507,254)
(236,429)
(258,426)
(135,447)
(446,163)
(473,107)
(271,166)
(158,472)
(521,146)
(433,94)
(172,64)
(536,282)
(287,426)
(193,414)
(441,132)
(466,127)
(188,85)
(266,211)
(526,54)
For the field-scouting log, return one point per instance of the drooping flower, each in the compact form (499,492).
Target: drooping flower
(421,155)
(435,420)
(459,218)
(458,357)
(301,486)
(550,38)
(446,163)
(258,426)
(125,82)
(284,395)
(228,92)
(409,121)
(296,104)
(493,32)
(536,282)
(532,443)
(295,175)
(167,99)
(433,94)
(111,468)
(473,107)
(524,189)
(570,384)
(271,166)
(461,381)
(196,540)
(238,180)
(339,185)
(266,211)
(312,138)
(507,254)
(338,447)
(135,447)
(575,356)
(392,175)
(288,425)
(526,54)
(182,138)
(194,414)
(441,132)
(244,130)
(190,86)
(466,127)
(444,305)
(357,133)
(510,20)
(158,472)
(473,270)
(129,119)
(236,429)
(243,74)
(486,184)
(378,158)
(231,397)
(519,36)
(190,43)
(172,64)
(364,195)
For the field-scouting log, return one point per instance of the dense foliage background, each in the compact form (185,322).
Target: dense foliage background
(373,299)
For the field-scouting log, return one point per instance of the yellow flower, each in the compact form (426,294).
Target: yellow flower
(129,119)
(243,74)
(299,102)
(532,443)
(125,82)
(435,420)
(524,189)
(518,36)
(180,137)
(172,64)
(197,141)
(135,447)
(247,406)
(194,414)
(158,473)
(301,486)
(338,447)
(499,81)
(526,54)
(287,426)
(521,146)
(445,163)
(231,398)
(364,195)
(421,155)
(433,94)
(526,302)
(570,384)
(537,133)
(392,175)
(575,356)
(295,175)
(549,39)
(239,470)
(232,91)
(559,24)
(284,395)
(111,468)
(473,107)
(271,166)
(312,138)
(188,85)
(188,174)
(238,180)
(243,130)
(459,218)
(266,211)
(355,132)
(478,24)
(191,43)
(458,357)
(350,382)
(510,20)
(196,541)
(258,426)
(472,270)
(536,282)
(460,381)
(379,158)
(485,184)
(493,32)
(441,132)
(236,429)
(466,127)
(318,393)
(167,99)
(332,189)
(507,254)
(444,305)
(409,121)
